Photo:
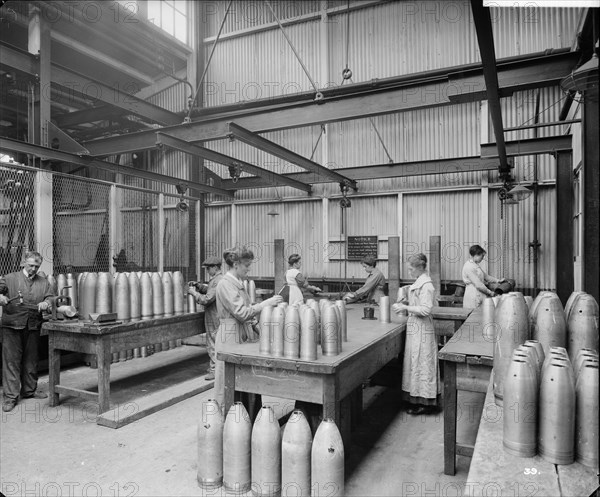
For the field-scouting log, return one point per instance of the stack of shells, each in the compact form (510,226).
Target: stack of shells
(550,392)
(132,296)
(65,285)
(511,330)
(241,456)
(296,331)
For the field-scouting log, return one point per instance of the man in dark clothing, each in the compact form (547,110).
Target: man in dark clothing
(23,295)
(211,317)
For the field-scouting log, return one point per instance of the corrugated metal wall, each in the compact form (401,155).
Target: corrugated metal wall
(367,216)
(247,69)
(171,163)
(520,110)
(256,229)
(455,217)
(513,253)
(378,38)
(305,237)
(174,98)
(529,29)
(217,229)
(245,15)
(389,39)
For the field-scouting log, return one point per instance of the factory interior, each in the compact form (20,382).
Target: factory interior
(299,248)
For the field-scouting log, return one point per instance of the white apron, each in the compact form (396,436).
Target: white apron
(295,292)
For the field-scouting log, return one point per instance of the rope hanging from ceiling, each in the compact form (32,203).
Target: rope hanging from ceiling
(212,51)
(347,76)
(318,95)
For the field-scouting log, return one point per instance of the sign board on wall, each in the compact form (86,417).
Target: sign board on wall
(360,246)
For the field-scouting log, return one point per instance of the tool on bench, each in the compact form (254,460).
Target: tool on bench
(61,307)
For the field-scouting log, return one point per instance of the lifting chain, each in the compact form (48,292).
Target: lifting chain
(504,238)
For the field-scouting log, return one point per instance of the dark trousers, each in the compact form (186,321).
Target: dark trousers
(19,362)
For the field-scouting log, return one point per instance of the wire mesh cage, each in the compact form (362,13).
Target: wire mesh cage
(97,226)
(144,235)
(138,249)
(179,239)
(80,225)
(17,208)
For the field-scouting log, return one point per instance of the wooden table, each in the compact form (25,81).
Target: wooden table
(102,340)
(468,361)
(457,315)
(495,472)
(329,380)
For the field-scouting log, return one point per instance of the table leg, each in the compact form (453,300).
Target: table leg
(450,399)
(331,405)
(229,386)
(103,356)
(346,420)
(53,371)
(357,406)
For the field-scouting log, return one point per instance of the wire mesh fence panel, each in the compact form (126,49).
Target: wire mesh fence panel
(17,207)
(80,225)
(82,213)
(137,244)
(179,238)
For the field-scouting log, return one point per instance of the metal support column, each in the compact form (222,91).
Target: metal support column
(591,187)
(564,225)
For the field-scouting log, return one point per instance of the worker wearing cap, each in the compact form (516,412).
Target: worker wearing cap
(21,324)
(208,300)
(373,289)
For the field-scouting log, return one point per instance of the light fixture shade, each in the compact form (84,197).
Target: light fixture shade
(273,212)
(519,193)
(584,78)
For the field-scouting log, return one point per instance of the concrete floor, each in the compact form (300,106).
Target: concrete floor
(60,451)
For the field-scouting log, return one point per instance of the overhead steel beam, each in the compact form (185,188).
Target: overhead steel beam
(96,91)
(53,154)
(171,143)
(80,85)
(536,72)
(531,146)
(102,113)
(485,38)
(268,178)
(277,150)
(352,101)
(92,53)
(383,171)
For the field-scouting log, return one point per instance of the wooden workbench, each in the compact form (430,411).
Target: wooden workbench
(103,340)
(468,359)
(457,315)
(329,380)
(494,472)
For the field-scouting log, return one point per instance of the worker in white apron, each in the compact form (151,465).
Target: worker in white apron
(296,281)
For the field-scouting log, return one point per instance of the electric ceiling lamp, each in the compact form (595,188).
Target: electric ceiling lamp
(584,79)
(520,193)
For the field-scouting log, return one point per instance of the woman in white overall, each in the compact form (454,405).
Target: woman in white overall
(475,279)
(236,312)
(296,281)
(421,386)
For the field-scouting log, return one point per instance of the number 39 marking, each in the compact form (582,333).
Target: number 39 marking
(530,471)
